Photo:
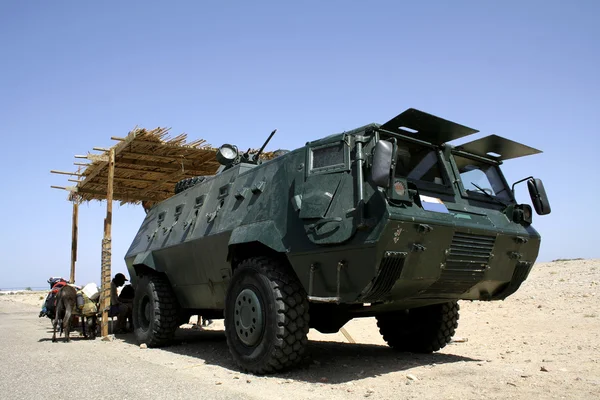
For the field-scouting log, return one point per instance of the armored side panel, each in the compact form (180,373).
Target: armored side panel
(188,236)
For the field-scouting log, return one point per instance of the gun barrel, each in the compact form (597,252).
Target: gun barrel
(265,144)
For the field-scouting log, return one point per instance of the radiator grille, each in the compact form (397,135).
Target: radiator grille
(466,263)
(389,272)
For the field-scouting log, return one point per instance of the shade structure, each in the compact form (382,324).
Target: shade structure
(142,167)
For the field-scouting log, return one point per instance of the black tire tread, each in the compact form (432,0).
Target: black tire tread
(293,318)
(166,319)
(421,330)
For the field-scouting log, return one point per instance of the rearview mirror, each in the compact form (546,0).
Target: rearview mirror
(538,196)
(382,163)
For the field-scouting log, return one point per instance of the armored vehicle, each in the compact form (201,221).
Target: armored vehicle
(385,220)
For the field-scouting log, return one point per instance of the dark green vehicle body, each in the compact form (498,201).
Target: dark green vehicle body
(357,248)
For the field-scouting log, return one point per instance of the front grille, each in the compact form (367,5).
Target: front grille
(465,265)
(389,272)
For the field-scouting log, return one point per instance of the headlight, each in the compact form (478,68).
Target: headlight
(227,154)
(527,213)
(522,214)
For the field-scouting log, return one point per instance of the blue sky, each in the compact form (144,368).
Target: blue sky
(73,74)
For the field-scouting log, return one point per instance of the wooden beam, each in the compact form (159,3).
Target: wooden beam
(100,149)
(74,240)
(139,180)
(96,158)
(347,335)
(65,173)
(120,167)
(128,196)
(175,157)
(82,164)
(124,179)
(120,139)
(60,187)
(106,245)
(196,165)
(158,183)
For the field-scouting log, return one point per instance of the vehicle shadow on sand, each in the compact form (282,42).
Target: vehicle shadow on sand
(328,362)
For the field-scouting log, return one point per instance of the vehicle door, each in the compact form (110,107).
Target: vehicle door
(328,194)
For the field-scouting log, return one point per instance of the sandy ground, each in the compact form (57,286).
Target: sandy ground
(540,343)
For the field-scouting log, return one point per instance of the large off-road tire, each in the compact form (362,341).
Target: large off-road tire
(187,183)
(420,330)
(155,311)
(266,316)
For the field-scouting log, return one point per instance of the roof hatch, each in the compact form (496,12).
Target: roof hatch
(497,148)
(426,127)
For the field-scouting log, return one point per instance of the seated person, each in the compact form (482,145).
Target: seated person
(120,306)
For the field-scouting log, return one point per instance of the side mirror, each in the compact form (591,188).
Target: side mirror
(382,163)
(538,196)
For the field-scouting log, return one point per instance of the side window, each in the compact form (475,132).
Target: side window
(329,157)
(418,164)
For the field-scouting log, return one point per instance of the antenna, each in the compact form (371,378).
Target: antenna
(265,144)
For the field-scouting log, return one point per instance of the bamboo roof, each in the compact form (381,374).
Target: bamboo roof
(147,165)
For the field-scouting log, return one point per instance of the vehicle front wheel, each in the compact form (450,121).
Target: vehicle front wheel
(266,316)
(155,311)
(420,330)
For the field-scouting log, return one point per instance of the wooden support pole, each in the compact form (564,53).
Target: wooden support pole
(106,245)
(74,241)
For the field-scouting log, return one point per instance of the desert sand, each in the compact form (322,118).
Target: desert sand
(541,343)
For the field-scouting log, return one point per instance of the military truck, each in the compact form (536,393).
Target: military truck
(386,221)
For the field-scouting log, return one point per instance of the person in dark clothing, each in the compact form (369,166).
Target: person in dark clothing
(120,306)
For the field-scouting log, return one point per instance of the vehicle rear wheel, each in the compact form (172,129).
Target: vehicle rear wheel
(266,316)
(155,311)
(420,330)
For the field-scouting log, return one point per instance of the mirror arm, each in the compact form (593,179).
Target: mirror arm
(512,188)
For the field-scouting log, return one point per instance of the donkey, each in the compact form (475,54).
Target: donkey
(66,300)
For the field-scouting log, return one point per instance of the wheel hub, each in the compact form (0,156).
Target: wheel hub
(146,313)
(248,317)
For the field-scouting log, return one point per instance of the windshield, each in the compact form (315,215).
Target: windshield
(479,177)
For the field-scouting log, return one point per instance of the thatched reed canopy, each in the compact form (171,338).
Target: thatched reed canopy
(147,165)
